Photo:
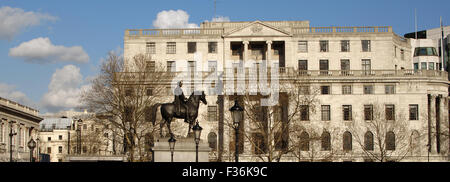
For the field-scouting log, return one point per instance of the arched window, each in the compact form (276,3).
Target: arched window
(304,141)
(326,140)
(212,141)
(347,141)
(390,140)
(415,143)
(368,141)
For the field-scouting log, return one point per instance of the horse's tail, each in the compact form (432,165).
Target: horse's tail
(154,108)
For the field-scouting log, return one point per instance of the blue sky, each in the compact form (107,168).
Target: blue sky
(98,27)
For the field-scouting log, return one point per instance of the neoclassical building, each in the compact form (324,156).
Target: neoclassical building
(357,72)
(23,122)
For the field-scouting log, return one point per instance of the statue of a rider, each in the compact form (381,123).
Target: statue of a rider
(180,100)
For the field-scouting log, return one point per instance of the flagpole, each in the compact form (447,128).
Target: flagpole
(442,46)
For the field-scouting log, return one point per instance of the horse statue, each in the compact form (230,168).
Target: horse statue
(189,116)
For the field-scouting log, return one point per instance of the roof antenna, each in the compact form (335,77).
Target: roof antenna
(415,21)
(215,8)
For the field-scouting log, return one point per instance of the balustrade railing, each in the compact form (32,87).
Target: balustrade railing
(290,72)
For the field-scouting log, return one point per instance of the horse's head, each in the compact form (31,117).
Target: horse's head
(203,98)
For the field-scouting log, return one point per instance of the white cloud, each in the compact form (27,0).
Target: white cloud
(173,19)
(221,19)
(14,20)
(41,50)
(9,92)
(64,90)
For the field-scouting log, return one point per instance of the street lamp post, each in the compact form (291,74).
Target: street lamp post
(236,113)
(172,141)
(31,146)
(197,132)
(79,123)
(11,135)
(38,150)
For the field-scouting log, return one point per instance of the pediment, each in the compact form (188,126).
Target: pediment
(257,29)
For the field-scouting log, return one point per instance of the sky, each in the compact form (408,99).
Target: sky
(51,49)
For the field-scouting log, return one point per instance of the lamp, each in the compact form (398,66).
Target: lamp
(197,132)
(236,113)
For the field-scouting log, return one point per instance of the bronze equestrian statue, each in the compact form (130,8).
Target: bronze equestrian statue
(180,108)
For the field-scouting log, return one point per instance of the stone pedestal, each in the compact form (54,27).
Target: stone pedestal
(184,150)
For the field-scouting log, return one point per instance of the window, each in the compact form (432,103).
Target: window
(346,89)
(368,112)
(259,145)
(325,90)
(59,160)
(171,66)
(390,112)
(368,89)
(304,141)
(84,149)
(366,66)
(389,89)
(128,114)
(212,113)
(49,150)
(368,141)
(128,92)
(149,91)
(212,66)
(280,140)
(345,66)
(150,48)
(192,47)
(347,141)
(212,47)
(191,67)
(325,112)
(425,51)
(423,65)
(323,66)
(304,113)
(304,90)
(323,45)
(345,46)
(212,141)
(413,112)
(150,66)
(302,66)
(60,137)
(416,66)
(431,66)
(171,48)
(236,49)
(60,149)
(347,112)
(302,46)
(49,138)
(84,126)
(366,47)
(326,141)
(390,140)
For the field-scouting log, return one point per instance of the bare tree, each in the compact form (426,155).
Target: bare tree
(384,134)
(272,131)
(125,90)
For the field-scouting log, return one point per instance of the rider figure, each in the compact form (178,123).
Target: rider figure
(180,99)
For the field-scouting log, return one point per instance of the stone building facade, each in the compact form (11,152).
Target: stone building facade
(354,69)
(23,121)
(77,138)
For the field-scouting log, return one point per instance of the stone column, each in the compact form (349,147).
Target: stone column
(269,50)
(245,50)
(431,124)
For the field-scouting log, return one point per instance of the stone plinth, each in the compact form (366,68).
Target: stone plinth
(184,150)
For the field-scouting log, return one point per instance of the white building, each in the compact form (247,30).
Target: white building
(23,122)
(355,69)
